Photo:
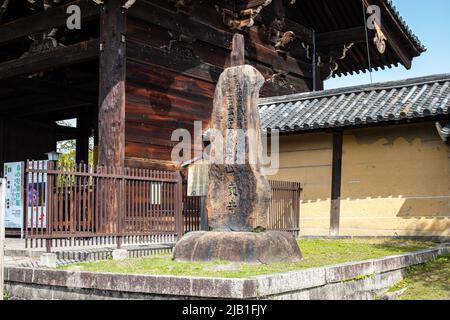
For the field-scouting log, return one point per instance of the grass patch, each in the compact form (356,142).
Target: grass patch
(430,281)
(316,253)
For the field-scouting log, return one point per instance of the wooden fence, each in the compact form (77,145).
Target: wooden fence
(2,234)
(284,210)
(83,205)
(192,211)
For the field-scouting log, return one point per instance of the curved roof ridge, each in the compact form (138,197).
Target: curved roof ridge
(359,88)
(389,102)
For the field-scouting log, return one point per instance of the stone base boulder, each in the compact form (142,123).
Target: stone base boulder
(249,247)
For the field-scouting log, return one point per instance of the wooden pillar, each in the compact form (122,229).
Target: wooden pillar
(336,184)
(82,147)
(204,226)
(94,126)
(238,51)
(2,234)
(2,144)
(111,113)
(112,85)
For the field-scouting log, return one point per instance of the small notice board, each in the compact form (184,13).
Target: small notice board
(198,179)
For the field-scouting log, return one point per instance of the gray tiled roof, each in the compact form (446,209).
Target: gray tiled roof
(424,97)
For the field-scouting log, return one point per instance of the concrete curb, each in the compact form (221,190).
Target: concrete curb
(355,280)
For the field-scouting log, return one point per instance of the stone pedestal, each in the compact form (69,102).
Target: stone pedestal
(48,260)
(248,247)
(119,254)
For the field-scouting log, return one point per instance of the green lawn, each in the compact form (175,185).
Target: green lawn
(315,252)
(430,281)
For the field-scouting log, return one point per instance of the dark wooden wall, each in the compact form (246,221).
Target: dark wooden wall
(21,140)
(173,63)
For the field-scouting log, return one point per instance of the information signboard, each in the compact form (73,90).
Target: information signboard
(14,195)
(36,194)
(198,179)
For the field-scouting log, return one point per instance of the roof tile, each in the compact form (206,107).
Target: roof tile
(346,107)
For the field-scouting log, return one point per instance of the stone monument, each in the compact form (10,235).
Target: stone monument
(238,193)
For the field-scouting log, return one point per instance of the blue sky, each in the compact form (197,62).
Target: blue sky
(430,21)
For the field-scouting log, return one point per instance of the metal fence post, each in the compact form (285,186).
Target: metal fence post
(2,235)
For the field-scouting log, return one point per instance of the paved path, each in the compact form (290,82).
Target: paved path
(19,261)
(16,254)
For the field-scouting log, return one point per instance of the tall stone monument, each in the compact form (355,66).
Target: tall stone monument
(238,194)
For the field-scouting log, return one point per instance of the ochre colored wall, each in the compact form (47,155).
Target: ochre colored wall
(396,181)
(307,159)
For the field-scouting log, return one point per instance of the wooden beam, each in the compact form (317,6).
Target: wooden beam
(2,143)
(143,53)
(53,59)
(336,183)
(60,115)
(112,85)
(46,20)
(38,104)
(82,144)
(397,48)
(238,50)
(302,33)
(237,5)
(62,132)
(341,37)
(66,133)
(2,234)
(50,88)
(190,26)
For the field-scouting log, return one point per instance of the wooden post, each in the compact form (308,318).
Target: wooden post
(203,215)
(95,133)
(2,234)
(2,143)
(178,219)
(238,50)
(111,115)
(112,85)
(336,184)
(82,146)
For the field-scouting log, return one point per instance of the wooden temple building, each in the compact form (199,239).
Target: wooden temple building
(137,70)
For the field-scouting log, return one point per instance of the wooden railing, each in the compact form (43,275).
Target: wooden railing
(284,210)
(192,211)
(84,205)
